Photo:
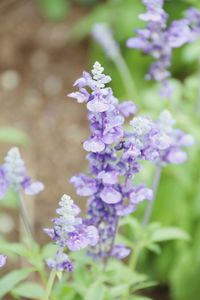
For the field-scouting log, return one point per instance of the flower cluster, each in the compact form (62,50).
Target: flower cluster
(110,182)
(71,232)
(3,259)
(115,157)
(158,141)
(158,40)
(13,174)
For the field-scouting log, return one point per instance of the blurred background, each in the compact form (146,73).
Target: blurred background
(45,45)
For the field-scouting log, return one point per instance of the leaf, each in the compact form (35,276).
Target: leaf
(154,248)
(29,290)
(13,135)
(55,10)
(169,233)
(139,298)
(15,248)
(10,280)
(117,291)
(95,292)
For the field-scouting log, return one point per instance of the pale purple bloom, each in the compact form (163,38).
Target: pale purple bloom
(85,186)
(127,108)
(94,145)
(60,263)
(109,195)
(140,194)
(13,174)
(178,33)
(119,251)
(158,40)
(69,231)
(193,17)
(4,185)
(3,259)
(82,238)
(176,156)
(115,157)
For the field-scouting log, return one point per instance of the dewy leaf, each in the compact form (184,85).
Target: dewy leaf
(95,292)
(10,280)
(29,290)
(169,233)
(13,135)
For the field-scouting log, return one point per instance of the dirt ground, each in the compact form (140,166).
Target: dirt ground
(38,65)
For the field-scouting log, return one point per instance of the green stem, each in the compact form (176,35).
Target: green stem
(149,208)
(50,283)
(132,264)
(25,217)
(126,77)
(197,106)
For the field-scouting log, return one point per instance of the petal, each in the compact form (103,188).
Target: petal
(34,188)
(110,195)
(94,145)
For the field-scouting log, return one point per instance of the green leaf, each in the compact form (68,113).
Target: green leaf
(10,280)
(117,291)
(95,291)
(13,135)
(55,10)
(29,290)
(169,233)
(139,298)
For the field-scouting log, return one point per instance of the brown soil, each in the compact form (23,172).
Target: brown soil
(46,64)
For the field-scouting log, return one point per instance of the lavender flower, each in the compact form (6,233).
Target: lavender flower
(60,263)
(109,195)
(159,141)
(115,157)
(69,231)
(13,174)
(158,40)
(193,17)
(3,259)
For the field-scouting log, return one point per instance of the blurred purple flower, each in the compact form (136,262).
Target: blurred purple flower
(3,259)
(13,174)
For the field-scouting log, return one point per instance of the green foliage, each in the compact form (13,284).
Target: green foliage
(10,280)
(95,291)
(13,135)
(55,10)
(28,290)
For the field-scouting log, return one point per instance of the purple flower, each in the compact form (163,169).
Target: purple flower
(82,238)
(85,186)
(3,259)
(127,108)
(119,251)
(94,145)
(115,157)
(178,33)
(158,40)
(113,161)
(13,174)
(4,185)
(110,195)
(140,194)
(60,263)
(69,231)
(193,17)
